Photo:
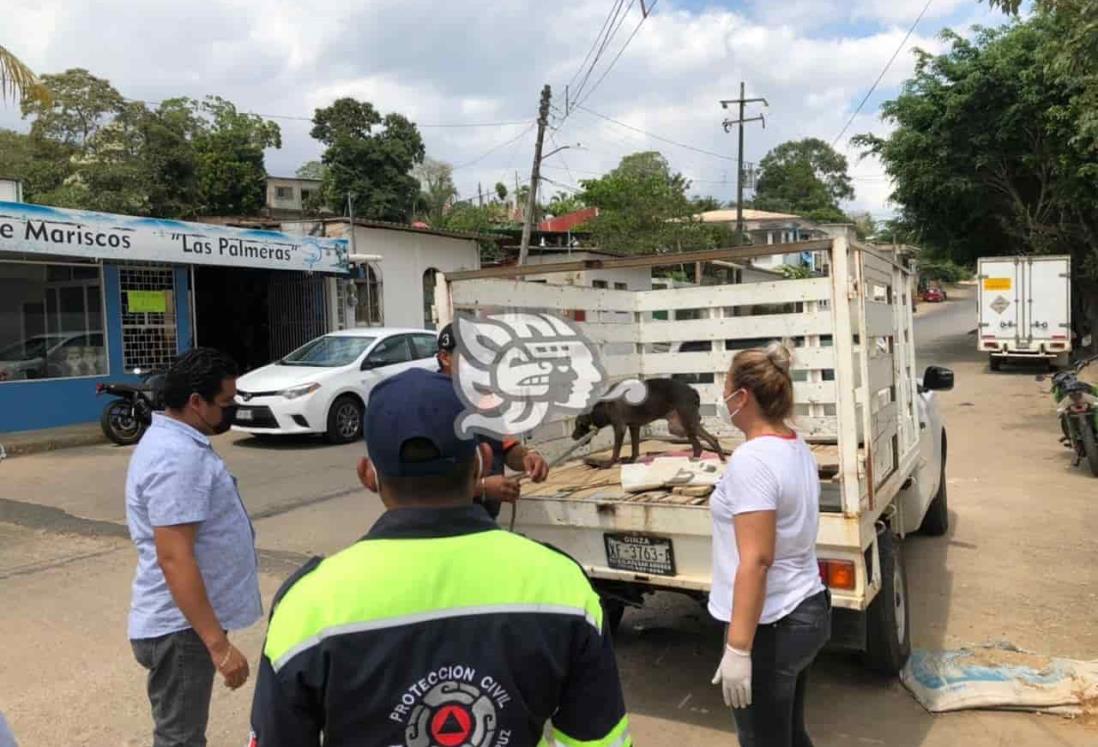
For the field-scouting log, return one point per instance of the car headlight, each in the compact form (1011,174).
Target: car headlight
(299,391)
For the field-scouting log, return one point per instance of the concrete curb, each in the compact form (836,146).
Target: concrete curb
(23,443)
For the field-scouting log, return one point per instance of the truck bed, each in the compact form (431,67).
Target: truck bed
(576,480)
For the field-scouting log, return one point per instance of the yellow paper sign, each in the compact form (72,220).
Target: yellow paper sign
(997,284)
(147,302)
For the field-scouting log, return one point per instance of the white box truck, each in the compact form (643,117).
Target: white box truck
(869,416)
(1025,308)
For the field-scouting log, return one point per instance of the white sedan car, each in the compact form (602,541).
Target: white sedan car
(323,386)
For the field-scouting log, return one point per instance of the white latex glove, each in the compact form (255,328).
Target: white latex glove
(734,677)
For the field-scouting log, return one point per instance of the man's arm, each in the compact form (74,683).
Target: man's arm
(521,459)
(175,554)
(592,709)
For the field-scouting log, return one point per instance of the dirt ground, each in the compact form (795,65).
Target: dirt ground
(1017,565)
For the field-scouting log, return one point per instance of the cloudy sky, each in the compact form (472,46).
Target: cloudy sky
(483,62)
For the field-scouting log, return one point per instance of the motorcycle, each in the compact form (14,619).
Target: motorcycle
(1077,407)
(125,419)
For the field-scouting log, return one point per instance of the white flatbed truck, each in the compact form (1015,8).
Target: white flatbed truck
(1025,309)
(860,403)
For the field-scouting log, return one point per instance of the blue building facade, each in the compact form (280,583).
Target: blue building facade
(87,298)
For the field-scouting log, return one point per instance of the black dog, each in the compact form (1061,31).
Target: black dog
(666,398)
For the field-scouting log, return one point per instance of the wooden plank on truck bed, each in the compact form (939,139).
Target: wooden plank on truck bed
(576,480)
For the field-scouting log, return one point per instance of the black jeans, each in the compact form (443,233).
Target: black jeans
(181,677)
(780,658)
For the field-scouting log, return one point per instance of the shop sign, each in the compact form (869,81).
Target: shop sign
(39,229)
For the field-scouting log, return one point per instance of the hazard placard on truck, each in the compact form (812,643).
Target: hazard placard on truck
(1025,308)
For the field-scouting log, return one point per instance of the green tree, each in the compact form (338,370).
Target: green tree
(229,145)
(983,156)
(804,177)
(563,203)
(437,190)
(986,154)
(501,191)
(78,105)
(864,225)
(311,170)
(486,220)
(1074,58)
(643,208)
(370,156)
(19,81)
(169,159)
(706,203)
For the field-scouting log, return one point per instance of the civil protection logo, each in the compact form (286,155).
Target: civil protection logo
(452,714)
(513,371)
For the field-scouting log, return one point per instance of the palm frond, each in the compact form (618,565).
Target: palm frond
(19,81)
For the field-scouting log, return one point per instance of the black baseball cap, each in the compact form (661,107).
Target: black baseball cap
(446,339)
(415,404)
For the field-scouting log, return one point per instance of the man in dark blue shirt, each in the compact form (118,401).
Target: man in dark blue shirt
(495,488)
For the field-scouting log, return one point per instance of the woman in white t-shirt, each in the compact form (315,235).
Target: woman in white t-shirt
(766,581)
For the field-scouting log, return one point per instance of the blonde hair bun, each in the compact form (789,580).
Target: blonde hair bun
(780,355)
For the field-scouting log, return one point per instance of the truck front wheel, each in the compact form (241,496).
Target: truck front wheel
(888,620)
(936,520)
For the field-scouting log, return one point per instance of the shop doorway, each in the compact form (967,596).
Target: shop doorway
(257,316)
(231,313)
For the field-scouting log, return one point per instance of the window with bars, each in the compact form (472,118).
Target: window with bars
(148,318)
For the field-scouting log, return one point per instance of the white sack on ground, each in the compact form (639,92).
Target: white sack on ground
(1000,677)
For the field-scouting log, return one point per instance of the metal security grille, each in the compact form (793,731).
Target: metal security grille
(148,337)
(297,311)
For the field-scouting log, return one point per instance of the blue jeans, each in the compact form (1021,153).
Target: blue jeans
(780,657)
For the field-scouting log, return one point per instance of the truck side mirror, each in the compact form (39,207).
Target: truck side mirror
(938,378)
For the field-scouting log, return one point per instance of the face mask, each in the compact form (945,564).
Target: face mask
(724,413)
(228,415)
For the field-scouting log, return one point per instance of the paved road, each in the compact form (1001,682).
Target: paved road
(1017,565)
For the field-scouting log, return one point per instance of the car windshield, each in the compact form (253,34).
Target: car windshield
(329,351)
(27,350)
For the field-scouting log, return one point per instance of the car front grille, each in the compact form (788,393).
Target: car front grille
(262,417)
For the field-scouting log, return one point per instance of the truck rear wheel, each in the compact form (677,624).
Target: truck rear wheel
(994,363)
(613,611)
(888,619)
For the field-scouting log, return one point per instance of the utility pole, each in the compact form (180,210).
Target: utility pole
(743,102)
(535,174)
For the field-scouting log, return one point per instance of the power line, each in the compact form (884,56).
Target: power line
(614,9)
(556,145)
(618,55)
(572,187)
(654,136)
(880,77)
(494,148)
(610,34)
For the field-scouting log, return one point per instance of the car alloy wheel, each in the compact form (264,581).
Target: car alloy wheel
(348,420)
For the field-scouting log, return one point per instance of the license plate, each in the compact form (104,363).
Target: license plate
(245,415)
(639,553)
